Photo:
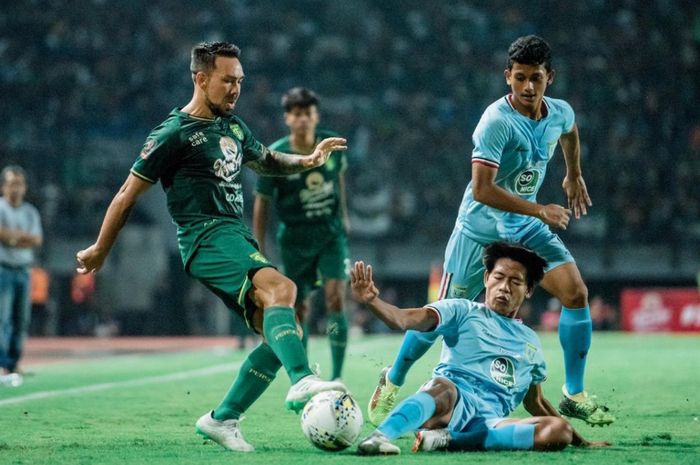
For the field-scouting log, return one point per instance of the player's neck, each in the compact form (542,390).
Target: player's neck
(303,142)
(198,109)
(536,112)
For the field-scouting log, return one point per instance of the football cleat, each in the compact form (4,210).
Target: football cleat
(226,433)
(307,387)
(383,399)
(431,439)
(586,408)
(377,444)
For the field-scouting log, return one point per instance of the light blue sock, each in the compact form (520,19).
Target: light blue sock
(516,436)
(575,329)
(415,344)
(409,415)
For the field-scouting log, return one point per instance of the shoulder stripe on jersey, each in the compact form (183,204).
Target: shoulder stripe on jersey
(484,161)
(445,285)
(437,312)
(141,176)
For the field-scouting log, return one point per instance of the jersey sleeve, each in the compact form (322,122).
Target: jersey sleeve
(156,155)
(539,370)
(450,313)
(490,138)
(253,149)
(569,117)
(265,186)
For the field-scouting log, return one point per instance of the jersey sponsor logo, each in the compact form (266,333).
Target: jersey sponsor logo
(317,199)
(503,372)
(147,148)
(237,131)
(227,168)
(526,182)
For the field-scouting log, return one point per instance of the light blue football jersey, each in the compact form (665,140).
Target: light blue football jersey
(495,357)
(520,148)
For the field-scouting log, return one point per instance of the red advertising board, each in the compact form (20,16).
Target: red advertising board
(653,310)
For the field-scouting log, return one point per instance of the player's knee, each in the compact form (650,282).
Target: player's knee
(334,302)
(280,292)
(553,433)
(576,296)
(445,394)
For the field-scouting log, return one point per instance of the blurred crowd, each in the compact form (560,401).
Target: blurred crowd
(406,81)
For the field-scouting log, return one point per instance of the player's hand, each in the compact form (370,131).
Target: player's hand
(90,260)
(577,195)
(323,151)
(555,216)
(362,284)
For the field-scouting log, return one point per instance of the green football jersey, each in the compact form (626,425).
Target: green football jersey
(311,197)
(198,162)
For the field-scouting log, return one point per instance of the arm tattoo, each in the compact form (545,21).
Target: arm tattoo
(273,163)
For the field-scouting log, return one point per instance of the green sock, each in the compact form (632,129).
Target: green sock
(305,337)
(338,336)
(280,330)
(255,375)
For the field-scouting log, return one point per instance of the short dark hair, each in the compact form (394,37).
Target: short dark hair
(14,169)
(204,54)
(533,263)
(530,50)
(299,97)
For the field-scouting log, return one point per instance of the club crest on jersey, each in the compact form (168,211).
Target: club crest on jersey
(526,182)
(147,148)
(503,372)
(237,131)
(228,167)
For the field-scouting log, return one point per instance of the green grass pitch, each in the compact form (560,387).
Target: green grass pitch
(141,408)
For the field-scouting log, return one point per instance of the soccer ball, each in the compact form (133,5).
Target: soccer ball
(331,420)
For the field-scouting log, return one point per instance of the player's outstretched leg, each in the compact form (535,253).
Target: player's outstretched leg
(222,425)
(537,433)
(414,345)
(575,330)
(431,406)
(276,294)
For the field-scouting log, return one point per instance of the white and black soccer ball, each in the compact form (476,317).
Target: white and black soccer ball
(332,420)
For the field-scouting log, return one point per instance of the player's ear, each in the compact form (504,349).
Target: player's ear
(507,75)
(201,79)
(486,277)
(550,77)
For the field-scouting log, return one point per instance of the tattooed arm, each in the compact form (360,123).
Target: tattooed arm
(273,163)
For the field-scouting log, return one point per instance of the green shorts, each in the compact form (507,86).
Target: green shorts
(311,254)
(225,262)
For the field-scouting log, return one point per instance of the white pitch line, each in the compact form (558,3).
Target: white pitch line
(143,381)
(122,384)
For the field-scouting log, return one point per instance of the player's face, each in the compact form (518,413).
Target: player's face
(528,84)
(302,120)
(222,86)
(506,287)
(14,188)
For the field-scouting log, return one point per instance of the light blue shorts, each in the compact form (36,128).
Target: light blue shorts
(471,413)
(463,270)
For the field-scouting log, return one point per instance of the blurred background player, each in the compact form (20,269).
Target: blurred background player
(197,154)
(20,234)
(490,363)
(313,220)
(513,142)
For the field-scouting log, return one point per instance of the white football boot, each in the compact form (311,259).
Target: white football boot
(431,439)
(377,444)
(307,387)
(226,433)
